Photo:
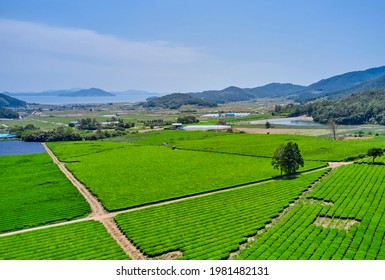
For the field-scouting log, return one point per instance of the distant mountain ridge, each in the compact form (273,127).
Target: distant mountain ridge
(92,92)
(338,83)
(177,100)
(333,87)
(371,85)
(8,101)
(232,93)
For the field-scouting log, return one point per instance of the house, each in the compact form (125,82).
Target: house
(177,126)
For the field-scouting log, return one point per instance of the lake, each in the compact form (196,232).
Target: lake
(15,147)
(296,123)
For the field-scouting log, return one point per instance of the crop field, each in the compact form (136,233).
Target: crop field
(160,137)
(343,218)
(123,175)
(211,227)
(312,148)
(34,191)
(79,241)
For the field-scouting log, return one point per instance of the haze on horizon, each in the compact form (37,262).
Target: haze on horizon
(184,46)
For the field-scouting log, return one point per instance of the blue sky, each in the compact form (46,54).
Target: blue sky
(182,46)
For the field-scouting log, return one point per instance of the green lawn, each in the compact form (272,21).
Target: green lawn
(79,241)
(34,191)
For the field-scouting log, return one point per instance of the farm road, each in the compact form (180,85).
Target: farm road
(98,210)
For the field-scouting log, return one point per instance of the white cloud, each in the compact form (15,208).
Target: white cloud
(51,56)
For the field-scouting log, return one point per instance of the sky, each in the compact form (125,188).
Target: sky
(184,45)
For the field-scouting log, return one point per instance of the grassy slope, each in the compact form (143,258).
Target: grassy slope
(34,191)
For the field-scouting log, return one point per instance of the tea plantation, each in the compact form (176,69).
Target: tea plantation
(34,191)
(350,204)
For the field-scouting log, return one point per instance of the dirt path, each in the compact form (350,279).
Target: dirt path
(98,211)
(338,164)
(96,207)
(122,240)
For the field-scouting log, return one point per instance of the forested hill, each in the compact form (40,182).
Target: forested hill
(373,84)
(359,108)
(339,83)
(177,100)
(7,101)
(232,94)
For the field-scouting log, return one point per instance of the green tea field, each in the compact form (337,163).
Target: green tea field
(215,196)
(33,191)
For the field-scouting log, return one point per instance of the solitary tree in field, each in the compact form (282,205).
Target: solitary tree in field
(287,158)
(332,125)
(375,152)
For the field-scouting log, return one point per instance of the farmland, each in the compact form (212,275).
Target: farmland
(343,218)
(263,145)
(33,191)
(80,241)
(216,196)
(211,227)
(115,172)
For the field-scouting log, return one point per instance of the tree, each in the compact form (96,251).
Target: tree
(332,125)
(375,152)
(287,158)
(268,125)
(277,161)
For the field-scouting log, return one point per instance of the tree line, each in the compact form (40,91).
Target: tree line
(366,107)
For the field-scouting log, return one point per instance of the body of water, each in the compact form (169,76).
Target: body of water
(58,100)
(15,147)
(296,123)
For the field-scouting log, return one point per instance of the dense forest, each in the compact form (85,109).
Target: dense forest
(8,113)
(359,108)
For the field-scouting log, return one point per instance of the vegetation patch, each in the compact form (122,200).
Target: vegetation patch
(123,175)
(263,145)
(34,191)
(79,241)
(213,226)
(353,227)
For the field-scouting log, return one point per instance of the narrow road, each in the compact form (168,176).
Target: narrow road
(96,207)
(98,210)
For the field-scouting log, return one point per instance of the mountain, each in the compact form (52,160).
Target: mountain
(91,92)
(373,84)
(338,83)
(232,93)
(177,100)
(8,101)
